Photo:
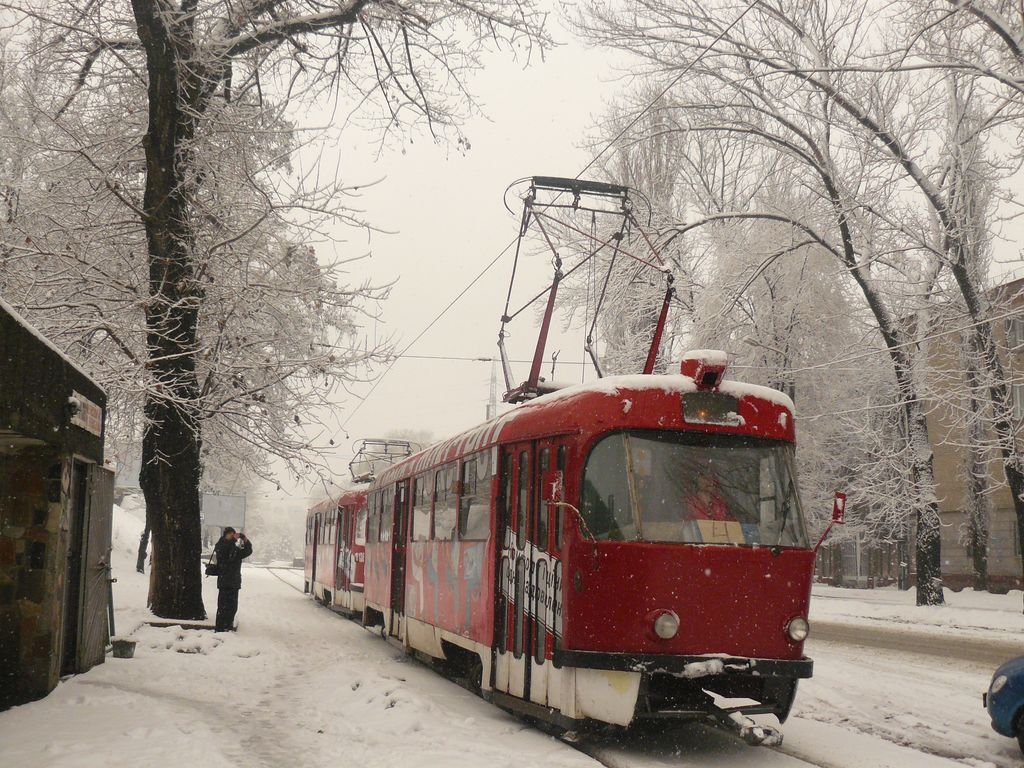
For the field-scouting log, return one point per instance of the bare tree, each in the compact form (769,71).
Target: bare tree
(196,73)
(779,83)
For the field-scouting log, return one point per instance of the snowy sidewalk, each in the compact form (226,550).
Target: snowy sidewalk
(296,685)
(299,686)
(966,613)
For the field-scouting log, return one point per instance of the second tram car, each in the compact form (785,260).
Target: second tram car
(628,549)
(335,551)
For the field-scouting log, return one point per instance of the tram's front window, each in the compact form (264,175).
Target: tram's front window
(692,488)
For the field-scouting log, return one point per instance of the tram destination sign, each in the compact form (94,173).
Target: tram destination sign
(710,408)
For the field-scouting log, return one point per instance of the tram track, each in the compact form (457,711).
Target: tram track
(688,745)
(683,744)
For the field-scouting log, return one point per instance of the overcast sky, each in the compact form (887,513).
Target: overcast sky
(446,211)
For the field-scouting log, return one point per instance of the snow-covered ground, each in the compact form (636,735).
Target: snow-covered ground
(966,613)
(299,686)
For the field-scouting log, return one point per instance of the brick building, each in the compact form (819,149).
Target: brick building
(55,516)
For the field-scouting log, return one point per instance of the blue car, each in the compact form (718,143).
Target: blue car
(1005,700)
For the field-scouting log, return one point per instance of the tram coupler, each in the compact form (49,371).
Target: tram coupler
(754,734)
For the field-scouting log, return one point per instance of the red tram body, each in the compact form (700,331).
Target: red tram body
(549,555)
(336,551)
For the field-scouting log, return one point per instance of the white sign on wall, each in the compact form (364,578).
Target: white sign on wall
(86,414)
(223,510)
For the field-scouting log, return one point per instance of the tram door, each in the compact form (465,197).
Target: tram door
(341,550)
(316,547)
(399,533)
(544,559)
(513,631)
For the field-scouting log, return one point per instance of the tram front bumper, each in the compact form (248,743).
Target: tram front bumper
(686,666)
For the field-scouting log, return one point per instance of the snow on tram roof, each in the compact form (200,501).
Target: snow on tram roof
(486,434)
(613,386)
(332,496)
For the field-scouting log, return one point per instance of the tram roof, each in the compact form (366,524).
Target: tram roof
(334,496)
(487,434)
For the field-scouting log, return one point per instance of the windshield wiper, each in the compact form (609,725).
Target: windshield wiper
(786,506)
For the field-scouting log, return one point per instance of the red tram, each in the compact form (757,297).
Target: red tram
(617,551)
(335,551)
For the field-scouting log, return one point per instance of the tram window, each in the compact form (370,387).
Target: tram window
(541,533)
(373,533)
(361,525)
(560,463)
(475,502)
(523,498)
(421,498)
(693,488)
(540,610)
(445,511)
(517,640)
(507,499)
(556,605)
(387,514)
(503,606)
(607,504)
(400,512)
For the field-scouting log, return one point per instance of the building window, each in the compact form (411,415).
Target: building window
(1017,396)
(1015,332)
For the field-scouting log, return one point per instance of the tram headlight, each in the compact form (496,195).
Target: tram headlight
(666,625)
(798,629)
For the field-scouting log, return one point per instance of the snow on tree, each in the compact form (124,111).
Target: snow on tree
(174,119)
(786,87)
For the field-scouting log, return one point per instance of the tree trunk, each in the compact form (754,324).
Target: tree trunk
(171,467)
(926,513)
(140,560)
(929,529)
(976,500)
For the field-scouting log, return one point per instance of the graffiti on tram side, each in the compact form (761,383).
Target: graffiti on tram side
(541,587)
(445,586)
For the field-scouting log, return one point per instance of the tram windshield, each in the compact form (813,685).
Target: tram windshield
(692,488)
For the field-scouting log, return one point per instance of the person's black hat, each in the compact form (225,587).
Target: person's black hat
(229,529)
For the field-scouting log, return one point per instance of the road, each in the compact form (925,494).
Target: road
(881,697)
(985,652)
(915,687)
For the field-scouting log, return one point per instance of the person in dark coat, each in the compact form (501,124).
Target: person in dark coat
(230,551)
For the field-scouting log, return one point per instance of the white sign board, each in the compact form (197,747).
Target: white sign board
(86,414)
(223,510)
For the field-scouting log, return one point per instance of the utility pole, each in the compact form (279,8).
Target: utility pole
(492,402)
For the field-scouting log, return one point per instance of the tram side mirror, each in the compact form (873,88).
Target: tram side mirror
(839,508)
(552,489)
(838,513)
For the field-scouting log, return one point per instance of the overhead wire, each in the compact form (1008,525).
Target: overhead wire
(422,333)
(608,145)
